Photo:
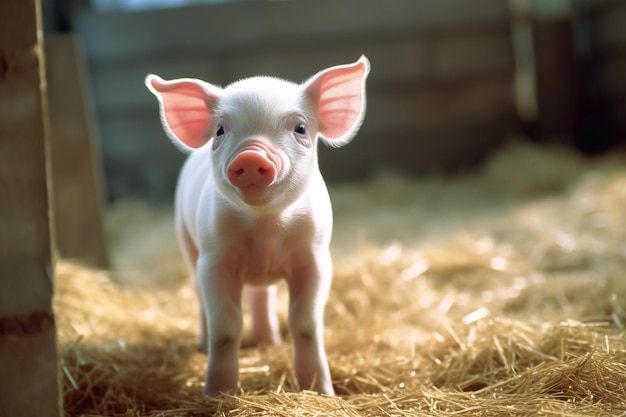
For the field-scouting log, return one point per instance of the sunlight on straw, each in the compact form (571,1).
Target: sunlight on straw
(263,369)
(70,377)
(445,304)
(415,270)
(476,315)
(454,335)
(392,253)
(498,263)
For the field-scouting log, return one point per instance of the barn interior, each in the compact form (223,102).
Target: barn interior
(479,241)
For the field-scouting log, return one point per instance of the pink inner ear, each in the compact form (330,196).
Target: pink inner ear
(340,96)
(186,109)
(340,104)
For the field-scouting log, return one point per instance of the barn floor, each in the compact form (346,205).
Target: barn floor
(502,293)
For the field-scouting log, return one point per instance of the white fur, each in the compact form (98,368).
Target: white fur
(241,241)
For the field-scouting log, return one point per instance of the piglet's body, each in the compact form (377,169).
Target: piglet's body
(252,207)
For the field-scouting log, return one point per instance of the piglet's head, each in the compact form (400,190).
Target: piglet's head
(263,131)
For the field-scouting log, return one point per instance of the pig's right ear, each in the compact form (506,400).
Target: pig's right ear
(186,107)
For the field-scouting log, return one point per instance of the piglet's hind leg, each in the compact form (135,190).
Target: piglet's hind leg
(265,325)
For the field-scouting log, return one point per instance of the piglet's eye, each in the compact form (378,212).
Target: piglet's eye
(219,131)
(300,129)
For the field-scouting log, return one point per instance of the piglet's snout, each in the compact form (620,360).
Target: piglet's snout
(251,167)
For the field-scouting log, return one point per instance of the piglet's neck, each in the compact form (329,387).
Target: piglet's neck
(262,215)
(271,216)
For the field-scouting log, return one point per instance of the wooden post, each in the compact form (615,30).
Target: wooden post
(76,171)
(555,66)
(29,377)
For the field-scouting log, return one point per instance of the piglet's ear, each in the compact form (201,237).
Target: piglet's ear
(339,96)
(186,107)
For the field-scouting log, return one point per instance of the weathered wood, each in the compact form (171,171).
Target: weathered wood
(120,87)
(611,75)
(434,128)
(434,63)
(439,104)
(474,112)
(403,60)
(610,28)
(28,363)
(557,99)
(232,26)
(597,7)
(608,21)
(75,156)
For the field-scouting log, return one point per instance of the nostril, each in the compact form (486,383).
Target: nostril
(251,168)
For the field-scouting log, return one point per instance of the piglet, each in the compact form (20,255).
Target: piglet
(252,208)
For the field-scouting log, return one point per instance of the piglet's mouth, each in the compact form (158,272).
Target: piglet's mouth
(256,196)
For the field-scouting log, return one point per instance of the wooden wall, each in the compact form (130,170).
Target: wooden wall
(608,22)
(439,94)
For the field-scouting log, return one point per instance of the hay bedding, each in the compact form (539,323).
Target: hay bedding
(497,294)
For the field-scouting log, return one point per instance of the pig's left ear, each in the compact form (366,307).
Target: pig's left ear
(338,93)
(186,107)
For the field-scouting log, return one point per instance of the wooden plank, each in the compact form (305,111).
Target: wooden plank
(598,7)
(28,363)
(436,107)
(75,157)
(119,88)
(440,104)
(609,29)
(614,106)
(558,101)
(444,148)
(139,159)
(23,212)
(248,24)
(405,59)
(433,62)
(609,42)
(611,75)
(450,102)
(417,149)
(615,114)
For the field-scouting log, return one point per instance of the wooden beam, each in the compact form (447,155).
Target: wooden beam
(556,69)
(230,26)
(400,61)
(29,385)
(75,157)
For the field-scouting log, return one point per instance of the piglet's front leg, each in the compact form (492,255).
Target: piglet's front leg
(308,291)
(221,295)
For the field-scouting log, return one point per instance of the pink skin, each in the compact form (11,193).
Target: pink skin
(251,168)
(252,207)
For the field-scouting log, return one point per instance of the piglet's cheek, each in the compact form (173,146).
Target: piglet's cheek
(283,166)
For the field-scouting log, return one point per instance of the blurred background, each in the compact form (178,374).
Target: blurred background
(452,82)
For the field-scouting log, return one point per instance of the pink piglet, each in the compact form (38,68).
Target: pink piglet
(252,207)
